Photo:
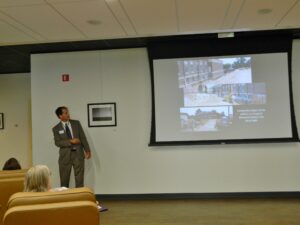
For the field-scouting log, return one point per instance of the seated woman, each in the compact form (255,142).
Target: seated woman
(12,164)
(37,179)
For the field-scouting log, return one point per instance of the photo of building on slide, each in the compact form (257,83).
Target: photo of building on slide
(205,118)
(219,81)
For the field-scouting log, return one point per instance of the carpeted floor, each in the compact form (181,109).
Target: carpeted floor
(202,212)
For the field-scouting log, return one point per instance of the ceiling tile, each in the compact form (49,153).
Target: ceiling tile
(231,14)
(79,13)
(10,35)
(9,3)
(42,19)
(151,17)
(13,23)
(201,16)
(249,18)
(292,19)
(121,16)
(69,1)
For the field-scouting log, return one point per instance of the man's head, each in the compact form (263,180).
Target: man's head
(62,113)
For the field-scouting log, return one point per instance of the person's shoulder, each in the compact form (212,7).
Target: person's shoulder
(56,126)
(74,121)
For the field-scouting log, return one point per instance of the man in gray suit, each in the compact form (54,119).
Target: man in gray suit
(73,147)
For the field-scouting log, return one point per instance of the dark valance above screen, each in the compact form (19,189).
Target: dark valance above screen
(218,91)
(218,47)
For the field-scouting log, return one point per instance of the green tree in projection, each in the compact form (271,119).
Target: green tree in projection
(241,62)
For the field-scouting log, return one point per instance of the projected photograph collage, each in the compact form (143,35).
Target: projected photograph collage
(213,88)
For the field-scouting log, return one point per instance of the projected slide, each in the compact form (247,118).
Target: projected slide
(205,118)
(222,97)
(217,82)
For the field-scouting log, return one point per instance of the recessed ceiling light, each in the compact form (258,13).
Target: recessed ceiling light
(94,22)
(264,11)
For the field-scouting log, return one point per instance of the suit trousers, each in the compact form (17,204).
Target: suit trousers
(65,170)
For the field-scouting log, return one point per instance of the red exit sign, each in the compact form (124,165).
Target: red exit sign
(65,77)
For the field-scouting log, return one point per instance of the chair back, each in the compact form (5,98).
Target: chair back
(65,213)
(68,207)
(11,181)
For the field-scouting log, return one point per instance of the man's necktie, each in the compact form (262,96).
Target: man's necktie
(68,132)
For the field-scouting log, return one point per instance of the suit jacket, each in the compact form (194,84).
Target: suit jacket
(61,140)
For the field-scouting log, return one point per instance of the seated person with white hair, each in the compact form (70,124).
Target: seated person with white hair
(37,179)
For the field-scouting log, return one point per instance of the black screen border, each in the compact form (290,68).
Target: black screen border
(221,47)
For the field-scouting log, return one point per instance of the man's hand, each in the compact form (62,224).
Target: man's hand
(87,154)
(75,141)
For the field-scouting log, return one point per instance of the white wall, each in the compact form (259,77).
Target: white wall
(122,162)
(15,138)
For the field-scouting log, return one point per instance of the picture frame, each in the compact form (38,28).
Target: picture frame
(102,114)
(1,121)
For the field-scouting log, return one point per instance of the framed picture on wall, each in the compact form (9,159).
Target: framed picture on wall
(102,114)
(1,121)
